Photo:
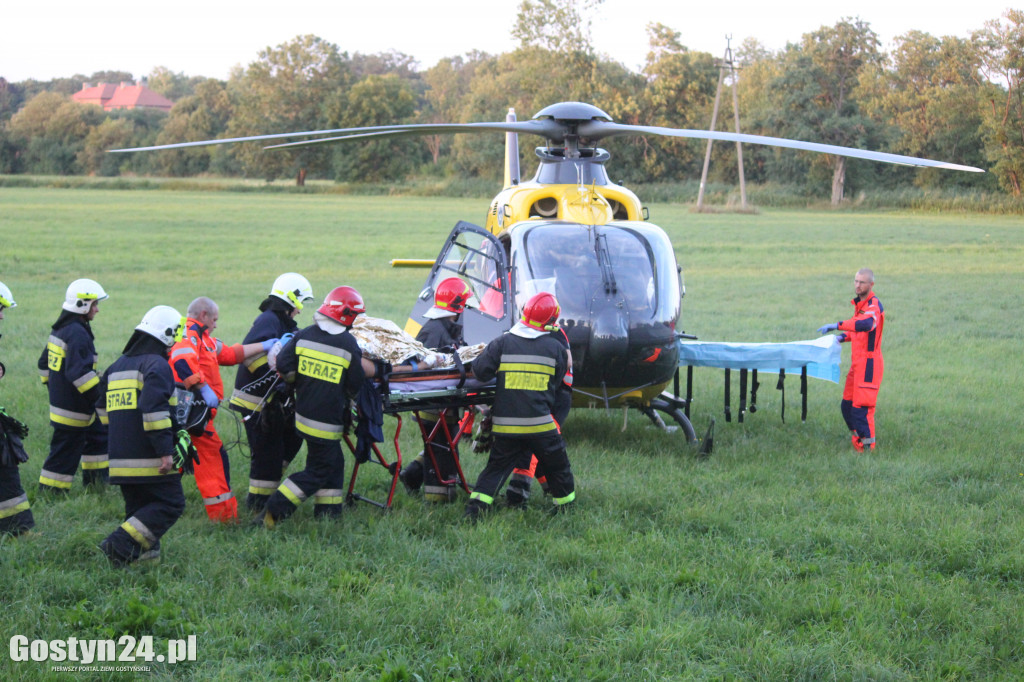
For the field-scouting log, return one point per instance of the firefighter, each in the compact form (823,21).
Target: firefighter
(864,333)
(443,329)
(68,368)
(273,441)
(136,396)
(324,363)
(15,514)
(529,364)
(518,491)
(196,361)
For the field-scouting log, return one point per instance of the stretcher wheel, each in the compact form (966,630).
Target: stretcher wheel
(659,407)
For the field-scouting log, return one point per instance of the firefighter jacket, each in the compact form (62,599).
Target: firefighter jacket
(68,368)
(254,378)
(864,332)
(441,333)
(326,370)
(136,399)
(196,359)
(529,372)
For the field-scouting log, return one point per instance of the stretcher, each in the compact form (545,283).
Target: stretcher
(818,358)
(436,391)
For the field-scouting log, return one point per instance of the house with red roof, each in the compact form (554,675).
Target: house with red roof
(123,96)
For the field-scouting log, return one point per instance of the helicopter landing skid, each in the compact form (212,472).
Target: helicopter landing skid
(669,408)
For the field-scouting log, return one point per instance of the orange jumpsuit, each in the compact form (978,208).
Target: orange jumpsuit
(196,359)
(864,332)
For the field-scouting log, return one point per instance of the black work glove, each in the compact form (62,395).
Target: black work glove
(9,424)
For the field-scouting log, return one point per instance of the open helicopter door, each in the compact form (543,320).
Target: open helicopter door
(478,258)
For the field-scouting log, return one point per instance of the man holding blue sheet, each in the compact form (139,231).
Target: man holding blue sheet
(864,332)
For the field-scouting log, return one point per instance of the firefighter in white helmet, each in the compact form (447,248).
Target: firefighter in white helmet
(136,396)
(68,368)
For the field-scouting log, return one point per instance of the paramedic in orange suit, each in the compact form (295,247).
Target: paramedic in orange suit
(864,333)
(196,361)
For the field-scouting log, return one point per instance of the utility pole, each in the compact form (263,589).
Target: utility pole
(727,61)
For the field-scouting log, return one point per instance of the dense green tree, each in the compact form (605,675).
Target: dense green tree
(1002,56)
(561,26)
(173,86)
(926,97)
(759,68)
(297,86)
(679,94)
(812,97)
(447,83)
(51,130)
(111,133)
(373,101)
(201,116)
(12,96)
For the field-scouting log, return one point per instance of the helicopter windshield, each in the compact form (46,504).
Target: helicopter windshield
(632,263)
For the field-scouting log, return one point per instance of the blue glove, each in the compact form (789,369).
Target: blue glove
(286,338)
(209,396)
(828,328)
(268,344)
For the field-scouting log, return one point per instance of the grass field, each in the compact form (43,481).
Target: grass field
(783,556)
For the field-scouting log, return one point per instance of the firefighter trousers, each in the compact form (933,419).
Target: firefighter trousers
(509,453)
(271,451)
(434,490)
(15,514)
(69,447)
(323,479)
(150,509)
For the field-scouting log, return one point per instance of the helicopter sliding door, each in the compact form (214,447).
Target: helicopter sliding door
(478,258)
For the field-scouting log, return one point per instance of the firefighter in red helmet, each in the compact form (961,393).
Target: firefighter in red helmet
(443,329)
(864,333)
(529,364)
(326,366)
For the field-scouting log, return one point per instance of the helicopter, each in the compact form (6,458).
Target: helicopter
(572,232)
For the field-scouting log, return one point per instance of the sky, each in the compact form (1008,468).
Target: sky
(44,40)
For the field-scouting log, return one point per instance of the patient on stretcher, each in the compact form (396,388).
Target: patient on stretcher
(381,339)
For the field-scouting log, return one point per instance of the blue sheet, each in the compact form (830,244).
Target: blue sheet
(820,356)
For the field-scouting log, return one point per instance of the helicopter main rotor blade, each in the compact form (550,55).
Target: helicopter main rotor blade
(547,128)
(596,130)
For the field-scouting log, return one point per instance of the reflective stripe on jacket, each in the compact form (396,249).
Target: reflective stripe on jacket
(67,366)
(529,372)
(137,399)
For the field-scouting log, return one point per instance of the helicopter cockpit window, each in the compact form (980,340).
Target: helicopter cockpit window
(472,257)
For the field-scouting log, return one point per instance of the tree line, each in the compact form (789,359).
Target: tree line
(958,100)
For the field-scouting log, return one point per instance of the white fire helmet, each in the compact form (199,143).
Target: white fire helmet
(6,297)
(163,323)
(80,295)
(292,288)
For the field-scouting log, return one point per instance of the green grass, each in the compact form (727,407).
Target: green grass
(783,556)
